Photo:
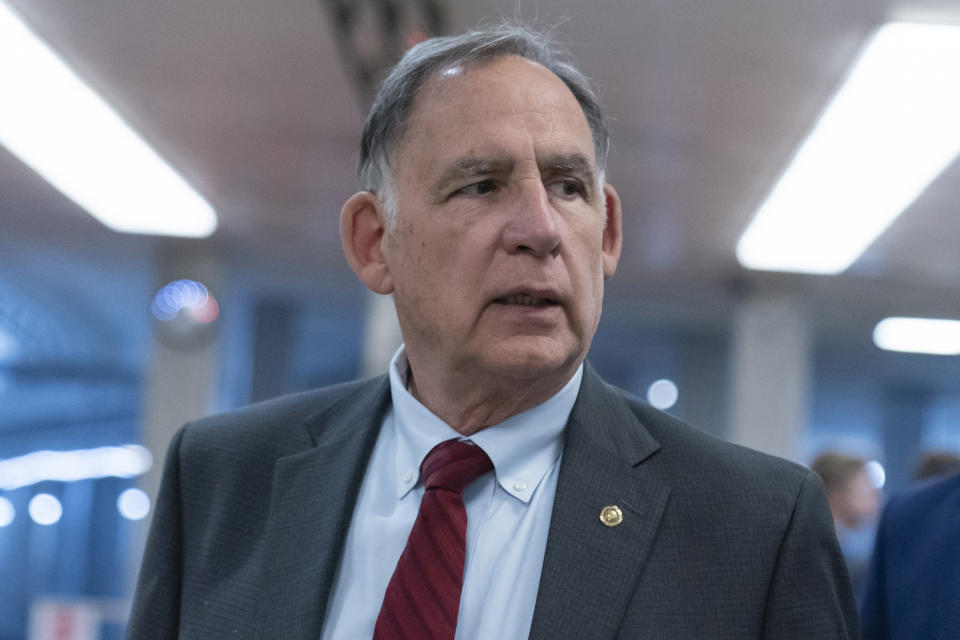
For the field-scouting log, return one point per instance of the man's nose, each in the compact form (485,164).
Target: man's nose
(533,225)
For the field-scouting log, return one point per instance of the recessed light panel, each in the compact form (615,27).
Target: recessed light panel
(918,335)
(891,129)
(55,124)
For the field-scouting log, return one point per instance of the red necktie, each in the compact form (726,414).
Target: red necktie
(423,597)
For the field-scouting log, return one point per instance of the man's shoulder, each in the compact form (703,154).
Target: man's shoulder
(280,425)
(933,504)
(295,406)
(696,459)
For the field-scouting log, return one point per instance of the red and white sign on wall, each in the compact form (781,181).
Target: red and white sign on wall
(64,620)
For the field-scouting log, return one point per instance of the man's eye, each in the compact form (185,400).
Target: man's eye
(481,188)
(567,188)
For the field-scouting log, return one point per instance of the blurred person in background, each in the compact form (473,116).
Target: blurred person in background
(490,485)
(914,585)
(855,503)
(937,464)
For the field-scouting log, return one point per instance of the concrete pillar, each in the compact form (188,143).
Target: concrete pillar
(181,378)
(770,374)
(381,334)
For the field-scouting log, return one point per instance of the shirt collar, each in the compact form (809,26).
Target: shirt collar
(522,447)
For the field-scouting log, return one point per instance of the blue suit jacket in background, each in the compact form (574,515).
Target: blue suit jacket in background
(914,588)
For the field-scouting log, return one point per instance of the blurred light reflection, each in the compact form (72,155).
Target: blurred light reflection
(878,475)
(133,504)
(45,509)
(9,346)
(188,295)
(663,394)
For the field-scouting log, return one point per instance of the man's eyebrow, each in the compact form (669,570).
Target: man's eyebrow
(575,163)
(469,167)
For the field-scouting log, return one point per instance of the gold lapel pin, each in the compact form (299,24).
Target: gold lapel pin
(611,515)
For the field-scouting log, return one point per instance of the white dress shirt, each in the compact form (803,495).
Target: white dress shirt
(508,515)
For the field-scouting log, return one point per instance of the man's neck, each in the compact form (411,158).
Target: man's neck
(470,405)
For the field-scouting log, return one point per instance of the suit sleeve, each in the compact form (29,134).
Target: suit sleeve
(156,605)
(810,594)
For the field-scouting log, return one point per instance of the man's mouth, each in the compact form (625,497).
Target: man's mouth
(526,300)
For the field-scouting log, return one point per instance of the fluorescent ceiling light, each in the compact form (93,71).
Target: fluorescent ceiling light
(65,132)
(125,461)
(890,130)
(918,335)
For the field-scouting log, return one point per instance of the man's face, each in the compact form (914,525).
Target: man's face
(500,248)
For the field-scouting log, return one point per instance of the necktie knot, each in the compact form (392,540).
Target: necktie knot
(453,464)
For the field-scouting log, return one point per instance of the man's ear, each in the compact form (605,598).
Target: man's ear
(362,229)
(612,231)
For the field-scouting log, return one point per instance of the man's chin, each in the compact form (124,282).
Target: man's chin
(531,360)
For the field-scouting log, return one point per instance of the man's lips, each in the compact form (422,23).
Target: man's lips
(532,298)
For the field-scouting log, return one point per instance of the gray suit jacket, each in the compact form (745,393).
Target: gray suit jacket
(717,541)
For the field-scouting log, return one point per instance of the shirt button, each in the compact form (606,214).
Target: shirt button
(519,485)
(408,476)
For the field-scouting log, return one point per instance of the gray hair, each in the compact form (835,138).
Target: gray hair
(394,101)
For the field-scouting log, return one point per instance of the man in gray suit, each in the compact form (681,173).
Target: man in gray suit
(485,212)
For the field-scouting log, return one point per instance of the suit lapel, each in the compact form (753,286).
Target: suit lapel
(311,504)
(590,570)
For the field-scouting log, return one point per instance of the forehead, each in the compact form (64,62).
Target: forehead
(483,107)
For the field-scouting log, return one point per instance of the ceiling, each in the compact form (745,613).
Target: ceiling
(252,101)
